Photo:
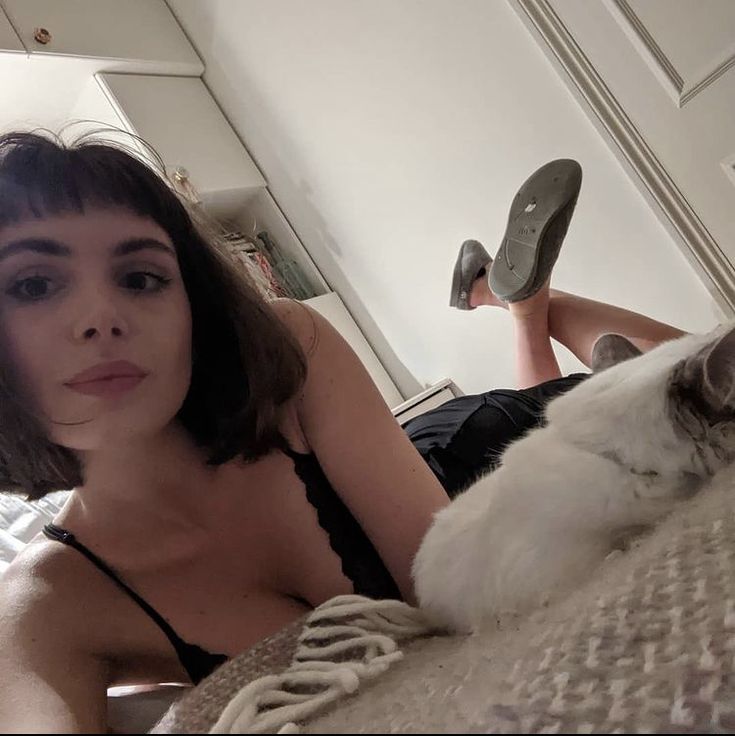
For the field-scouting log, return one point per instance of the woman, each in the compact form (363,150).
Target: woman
(232,463)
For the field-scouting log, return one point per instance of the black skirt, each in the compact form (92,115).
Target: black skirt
(465,437)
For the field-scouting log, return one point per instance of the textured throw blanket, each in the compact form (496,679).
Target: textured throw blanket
(198,710)
(647,646)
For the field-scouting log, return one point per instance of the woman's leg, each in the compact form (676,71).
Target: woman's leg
(577,322)
(534,354)
(535,360)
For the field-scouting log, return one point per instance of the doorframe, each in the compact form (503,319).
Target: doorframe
(631,149)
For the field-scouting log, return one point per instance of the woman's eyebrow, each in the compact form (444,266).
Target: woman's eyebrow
(132,245)
(51,247)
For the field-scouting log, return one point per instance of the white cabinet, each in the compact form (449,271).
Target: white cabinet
(181,120)
(9,40)
(140,34)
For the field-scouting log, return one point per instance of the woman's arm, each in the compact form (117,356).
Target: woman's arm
(367,457)
(49,681)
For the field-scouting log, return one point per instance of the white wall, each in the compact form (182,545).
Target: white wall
(390,132)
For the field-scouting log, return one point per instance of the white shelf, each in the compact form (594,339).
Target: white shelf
(183,123)
(261,212)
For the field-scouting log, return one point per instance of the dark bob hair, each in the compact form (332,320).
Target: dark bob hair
(246,365)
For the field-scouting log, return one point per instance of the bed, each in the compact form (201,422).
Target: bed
(647,646)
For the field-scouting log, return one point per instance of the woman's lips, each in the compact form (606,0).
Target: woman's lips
(114,386)
(107,370)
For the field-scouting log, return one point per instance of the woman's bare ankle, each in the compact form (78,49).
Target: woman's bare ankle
(480,294)
(536,305)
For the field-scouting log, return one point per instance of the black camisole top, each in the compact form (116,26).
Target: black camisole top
(360,561)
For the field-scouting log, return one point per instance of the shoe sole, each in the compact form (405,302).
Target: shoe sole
(537,223)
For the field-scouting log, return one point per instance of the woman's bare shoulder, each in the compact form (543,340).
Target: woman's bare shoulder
(301,321)
(48,581)
(44,574)
(52,598)
(52,674)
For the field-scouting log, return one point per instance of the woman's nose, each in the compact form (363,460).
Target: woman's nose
(102,322)
(92,331)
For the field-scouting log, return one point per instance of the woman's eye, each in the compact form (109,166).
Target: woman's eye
(37,288)
(137,280)
(30,289)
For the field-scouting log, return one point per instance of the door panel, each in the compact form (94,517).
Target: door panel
(658,79)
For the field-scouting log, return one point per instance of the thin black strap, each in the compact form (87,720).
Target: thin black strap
(197,661)
(62,535)
(361,562)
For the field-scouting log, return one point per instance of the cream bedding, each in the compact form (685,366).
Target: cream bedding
(21,520)
(648,645)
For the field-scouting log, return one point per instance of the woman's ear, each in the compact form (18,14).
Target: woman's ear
(611,349)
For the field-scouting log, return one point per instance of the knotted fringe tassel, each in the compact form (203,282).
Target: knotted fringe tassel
(347,639)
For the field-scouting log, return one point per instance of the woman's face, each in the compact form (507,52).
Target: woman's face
(80,290)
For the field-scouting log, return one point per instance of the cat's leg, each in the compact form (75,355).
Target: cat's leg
(512,540)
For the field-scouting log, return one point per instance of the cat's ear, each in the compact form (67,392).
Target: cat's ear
(611,349)
(707,378)
(718,371)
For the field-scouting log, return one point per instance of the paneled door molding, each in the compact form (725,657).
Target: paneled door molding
(562,49)
(681,90)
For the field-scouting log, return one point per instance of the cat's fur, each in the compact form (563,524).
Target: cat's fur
(620,450)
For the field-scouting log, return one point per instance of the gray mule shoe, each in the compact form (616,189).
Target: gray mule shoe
(537,223)
(472,258)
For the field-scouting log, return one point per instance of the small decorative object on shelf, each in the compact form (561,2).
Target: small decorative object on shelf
(179,177)
(290,275)
(246,254)
(274,275)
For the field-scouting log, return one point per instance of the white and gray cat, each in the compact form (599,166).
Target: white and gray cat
(619,451)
